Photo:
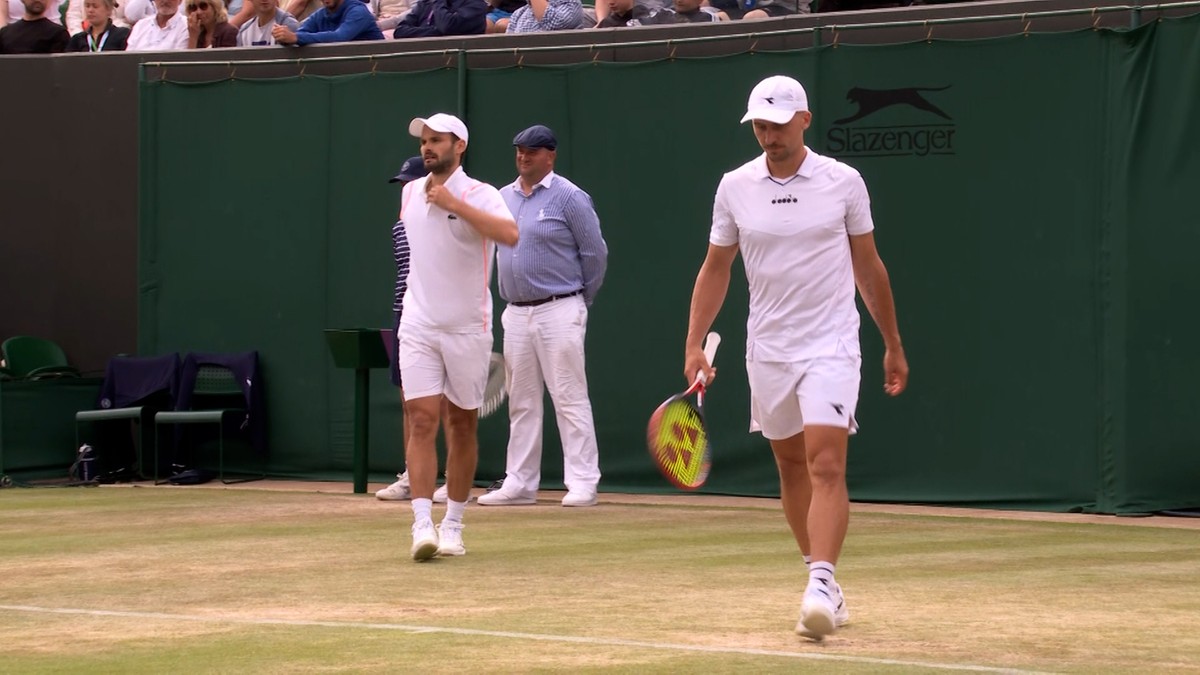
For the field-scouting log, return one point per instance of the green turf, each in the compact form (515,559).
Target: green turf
(233,581)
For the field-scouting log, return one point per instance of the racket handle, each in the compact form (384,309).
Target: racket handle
(711,342)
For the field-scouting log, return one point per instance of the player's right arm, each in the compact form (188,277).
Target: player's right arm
(712,284)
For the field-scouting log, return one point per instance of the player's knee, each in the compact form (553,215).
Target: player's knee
(459,421)
(422,421)
(826,468)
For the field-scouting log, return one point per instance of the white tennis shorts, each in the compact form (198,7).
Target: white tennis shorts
(433,363)
(785,397)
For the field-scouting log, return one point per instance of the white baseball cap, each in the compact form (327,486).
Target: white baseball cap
(776,99)
(447,124)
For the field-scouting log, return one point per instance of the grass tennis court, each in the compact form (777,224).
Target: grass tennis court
(287,579)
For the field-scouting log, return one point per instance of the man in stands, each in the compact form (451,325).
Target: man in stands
(340,21)
(166,31)
(435,18)
(33,33)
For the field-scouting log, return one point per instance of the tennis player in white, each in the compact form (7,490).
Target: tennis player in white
(453,223)
(802,223)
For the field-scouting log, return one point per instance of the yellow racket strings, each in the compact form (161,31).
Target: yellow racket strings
(681,443)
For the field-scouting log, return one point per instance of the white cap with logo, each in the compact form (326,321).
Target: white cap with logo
(447,124)
(776,99)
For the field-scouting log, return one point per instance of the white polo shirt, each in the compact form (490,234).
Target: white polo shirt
(450,263)
(147,36)
(793,235)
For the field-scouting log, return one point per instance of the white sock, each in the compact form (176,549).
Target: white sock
(422,509)
(821,572)
(454,511)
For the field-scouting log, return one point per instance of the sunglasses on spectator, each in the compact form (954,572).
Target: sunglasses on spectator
(199,5)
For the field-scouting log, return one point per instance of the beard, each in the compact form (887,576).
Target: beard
(441,165)
(36,8)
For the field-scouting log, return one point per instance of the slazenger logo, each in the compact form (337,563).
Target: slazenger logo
(848,139)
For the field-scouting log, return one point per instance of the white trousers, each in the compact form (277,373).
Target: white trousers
(543,349)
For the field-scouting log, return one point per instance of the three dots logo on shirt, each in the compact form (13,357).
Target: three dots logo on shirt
(785,199)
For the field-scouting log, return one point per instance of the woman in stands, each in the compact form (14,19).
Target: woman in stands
(101,35)
(208,25)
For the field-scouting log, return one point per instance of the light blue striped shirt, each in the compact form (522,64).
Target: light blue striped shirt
(560,249)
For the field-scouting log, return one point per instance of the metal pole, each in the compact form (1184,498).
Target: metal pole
(362,397)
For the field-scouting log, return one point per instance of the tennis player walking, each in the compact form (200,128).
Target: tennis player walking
(803,225)
(453,223)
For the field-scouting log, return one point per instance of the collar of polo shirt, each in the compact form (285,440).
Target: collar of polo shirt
(805,171)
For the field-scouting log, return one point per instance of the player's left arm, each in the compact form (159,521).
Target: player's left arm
(871,277)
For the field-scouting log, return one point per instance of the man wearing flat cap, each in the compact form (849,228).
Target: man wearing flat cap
(549,278)
(453,223)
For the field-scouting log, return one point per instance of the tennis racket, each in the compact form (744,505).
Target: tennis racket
(495,392)
(677,436)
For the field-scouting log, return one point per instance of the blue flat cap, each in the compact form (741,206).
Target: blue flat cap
(412,169)
(536,136)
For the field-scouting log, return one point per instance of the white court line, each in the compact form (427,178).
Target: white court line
(610,642)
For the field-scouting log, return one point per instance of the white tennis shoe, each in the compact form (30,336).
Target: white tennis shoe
(396,492)
(451,541)
(818,612)
(425,540)
(506,497)
(841,615)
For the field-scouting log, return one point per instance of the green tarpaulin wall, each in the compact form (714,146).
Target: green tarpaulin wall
(1033,196)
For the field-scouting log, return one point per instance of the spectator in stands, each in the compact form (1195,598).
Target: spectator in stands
(166,31)
(302,9)
(257,31)
(102,35)
(500,12)
(601,9)
(34,33)
(762,9)
(208,25)
(239,12)
(625,13)
(544,15)
(695,11)
(11,11)
(435,18)
(77,14)
(389,13)
(134,10)
(340,21)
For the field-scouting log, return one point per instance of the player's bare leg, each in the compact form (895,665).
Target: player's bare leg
(795,490)
(420,453)
(829,514)
(462,451)
(421,459)
(823,608)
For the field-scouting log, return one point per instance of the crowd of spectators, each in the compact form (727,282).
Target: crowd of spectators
(46,26)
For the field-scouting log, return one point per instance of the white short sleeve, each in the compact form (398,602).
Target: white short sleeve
(487,199)
(724,227)
(858,206)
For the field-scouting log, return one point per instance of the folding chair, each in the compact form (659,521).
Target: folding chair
(211,395)
(134,389)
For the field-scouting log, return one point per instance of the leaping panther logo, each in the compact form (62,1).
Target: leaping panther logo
(873,100)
